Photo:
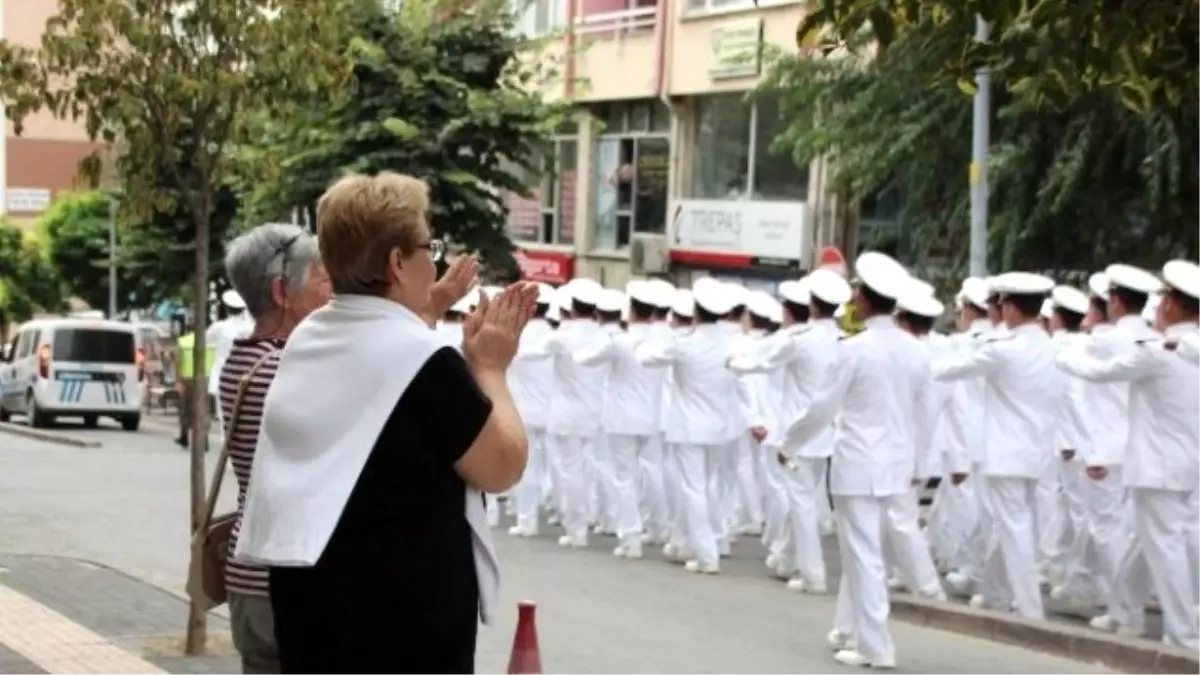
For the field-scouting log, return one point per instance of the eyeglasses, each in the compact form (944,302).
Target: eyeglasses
(436,248)
(283,249)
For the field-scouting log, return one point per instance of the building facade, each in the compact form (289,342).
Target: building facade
(666,169)
(44,159)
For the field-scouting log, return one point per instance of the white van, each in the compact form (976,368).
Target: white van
(74,368)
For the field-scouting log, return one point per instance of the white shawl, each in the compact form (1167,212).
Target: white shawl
(339,378)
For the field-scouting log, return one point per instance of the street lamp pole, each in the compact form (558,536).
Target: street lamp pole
(112,259)
(980,140)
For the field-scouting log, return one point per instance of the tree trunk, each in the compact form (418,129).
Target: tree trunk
(197,624)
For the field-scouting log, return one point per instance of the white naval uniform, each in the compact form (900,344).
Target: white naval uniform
(1091,565)
(878,391)
(745,496)
(531,382)
(1023,396)
(631,417)
(699,430)
(803,353)
(574,423)
(1162,474)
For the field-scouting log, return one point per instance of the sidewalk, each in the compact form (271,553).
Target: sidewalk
(63,615)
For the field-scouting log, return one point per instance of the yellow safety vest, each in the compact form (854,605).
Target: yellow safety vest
(187,366)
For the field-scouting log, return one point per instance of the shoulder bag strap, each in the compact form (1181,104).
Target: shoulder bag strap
(214,489)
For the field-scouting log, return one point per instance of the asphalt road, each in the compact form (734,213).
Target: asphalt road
(124,504)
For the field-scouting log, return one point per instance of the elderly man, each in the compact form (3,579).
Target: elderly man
(277,271)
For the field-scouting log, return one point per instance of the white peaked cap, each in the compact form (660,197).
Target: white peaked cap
(684,304)
(916,301)
(642,291)
(562,298)
(625,313)
(713,296)
(554,313)
(1070,298)
(1150,311)
(583,290)
(1098,285)
(762,305)
(1047,308)
(739,294)
(840,312)
(921,286)
(1022,283)
(611,300)
(545,293)
(975,291)
(1132,278)
(795,291)
(232,300)
(664,292)
(828,286)
(1183,276)
(882,274)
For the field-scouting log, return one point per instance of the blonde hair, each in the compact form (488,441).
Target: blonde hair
(361,219)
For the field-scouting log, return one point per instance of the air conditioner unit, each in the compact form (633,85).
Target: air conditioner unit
(648,254)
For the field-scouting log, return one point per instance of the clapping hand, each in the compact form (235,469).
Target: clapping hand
(459,279)
(491,333)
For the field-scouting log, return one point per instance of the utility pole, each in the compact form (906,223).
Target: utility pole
(112,259)
(980,140)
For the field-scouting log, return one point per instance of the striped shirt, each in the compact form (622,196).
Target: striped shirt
(239,577)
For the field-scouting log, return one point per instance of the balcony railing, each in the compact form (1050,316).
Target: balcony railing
(617,23)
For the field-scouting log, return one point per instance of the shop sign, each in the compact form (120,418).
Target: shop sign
(740,233)
(545,266)
(736,49)
(26,200)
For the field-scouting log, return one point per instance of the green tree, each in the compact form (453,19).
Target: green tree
(28,281)
(438,94)
(1051,51)
(1072,188)
(162,75)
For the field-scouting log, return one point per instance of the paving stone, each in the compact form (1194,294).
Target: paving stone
(199,664)
(13,662)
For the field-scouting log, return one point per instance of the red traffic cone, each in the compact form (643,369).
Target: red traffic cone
(526,658)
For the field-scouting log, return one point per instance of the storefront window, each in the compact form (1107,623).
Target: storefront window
(632,162)
(701,5)
(547,216)
(732,159)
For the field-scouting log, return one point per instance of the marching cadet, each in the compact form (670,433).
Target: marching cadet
(531,382)
(1161,468)
(1024,393)
(765,315)
(740,497)
(602,509)
(653,299)
(631,413)
(805,354)
(702,395)
(675,548)
(877,392)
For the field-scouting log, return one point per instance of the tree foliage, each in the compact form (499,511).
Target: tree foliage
(1051,51)
(1072,187)
(437,93)
(28,281)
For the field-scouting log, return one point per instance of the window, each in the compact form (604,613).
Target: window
(93,346)
(536,18)
(733,160)
(600,19)
(548,215)
(702,5)
(632,164)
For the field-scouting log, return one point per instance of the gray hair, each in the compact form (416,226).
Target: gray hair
(256,258)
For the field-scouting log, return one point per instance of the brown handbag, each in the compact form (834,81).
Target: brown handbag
(210,543)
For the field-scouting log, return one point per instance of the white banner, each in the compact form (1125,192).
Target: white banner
(767,230)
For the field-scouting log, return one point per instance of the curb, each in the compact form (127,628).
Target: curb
(47,436)
(1131,655)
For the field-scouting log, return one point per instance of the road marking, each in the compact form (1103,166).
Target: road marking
(57,644)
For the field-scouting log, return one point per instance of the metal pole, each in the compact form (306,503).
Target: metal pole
(112,259)
(980,139)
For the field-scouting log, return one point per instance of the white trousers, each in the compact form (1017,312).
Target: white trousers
(1010,571)
(906,544)
(951,517)
(974,549)
(700,517)
(777,533)
(1050,519)
(805,483)
(599,471)
(862,605)
(652,496)
(750,499)
(623,453)
(1159,547)
(1094,555)
(576,498)
(673,491)
(528,494)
